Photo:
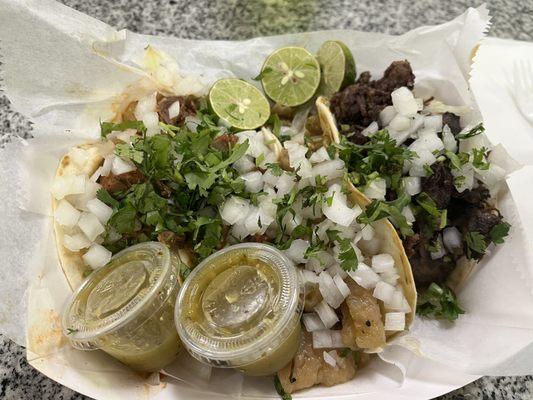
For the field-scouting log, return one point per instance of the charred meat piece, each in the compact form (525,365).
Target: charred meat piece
(187,108)
(426,270)
(116,183)
(224,142)
(476,196)
(482,220)
(453,122)
(360,104)
(439,186)
(308,368)
(171,239)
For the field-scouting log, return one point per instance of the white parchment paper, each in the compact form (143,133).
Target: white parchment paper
(65,71)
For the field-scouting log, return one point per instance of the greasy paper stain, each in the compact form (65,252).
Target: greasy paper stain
(45,336)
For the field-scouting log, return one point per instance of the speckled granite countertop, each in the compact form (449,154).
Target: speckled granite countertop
(239,19)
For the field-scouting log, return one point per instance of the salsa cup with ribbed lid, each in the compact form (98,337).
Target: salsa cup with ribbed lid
(241,308)
(126,308)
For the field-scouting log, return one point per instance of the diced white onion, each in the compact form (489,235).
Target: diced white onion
(404,102)
(491,176)
(90,225)
(383,263)
(146,105)
(429,142)
(329,359)
(364,276)
(329,169)
(244,164)
(76,242)
(384,292)
(339,212)
(96,174)
(269,178)
(234,210)
(253,181)
(376,189)
(400,123)
(335,269)
(66,215)
(329,290)
(322,339)
(252,221)
(67,185)
(425,157)
(326,314)
(102,211)
(285,183)
(97,256)
(448,139)
(467,182)
(106,166)
(336,339)
(320,261)
(308,276)
(398,302)
(121,166)
(433,121)
(370,129)
(296,252)
(412,185)
(435,255)
(407,212)
(291,221)
(341,285)
(395,321)
(256,145)
(174,109)
(390,277)
(386,115)
(312,322)
(452,238)
(319,156)
(80,200)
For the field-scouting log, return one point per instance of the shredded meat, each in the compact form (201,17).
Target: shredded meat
(453,122)
(187,108)
(224,142)
(359,104)
(171,239)
(439,186)
(116,183)
(475,196)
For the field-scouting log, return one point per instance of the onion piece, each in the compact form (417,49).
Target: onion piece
(285,183)
(365,276)
(102,211)
(329,290)
(97,256)
(416,166)
(326,313)
(376,189)
(256,145)
(67,185)
(400,123)
(121,166)
(435,255)
(384,292)
(269,178)
(386,115)
(90,225)
(253,181)
(342,286)
(322,339)
(296,251)
(309,276)
(319,156)
(96,175)
(66,215)
(312,322)
(336,339)
(434,122)
(328,359)
(234,210)
(329,169)
(390,277)
(320,261)
(404,102)
(399,302)
(452,239)
(244,164)
(407,212)
(448,139)
(76,242)
(80,200)
(395,321)
(336,269)
(412,185)
(338,211)
(383,263)
(106,166)
(370,129)
(174,109)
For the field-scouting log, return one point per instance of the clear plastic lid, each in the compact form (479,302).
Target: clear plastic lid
(118,293)
(239,304)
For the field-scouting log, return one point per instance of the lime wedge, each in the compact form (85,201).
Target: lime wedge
(290,76)
(239,103)
(337,65)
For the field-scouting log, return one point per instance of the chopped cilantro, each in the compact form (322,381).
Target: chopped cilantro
(476,130)
(438,302)
(275,169)
(275,123)
(380,209)
(347,255)
(280,390)
(259,160)
(104,196)
(479,158)
(125,150)
(499,232)
(428,204)
(263,73)
(476,244)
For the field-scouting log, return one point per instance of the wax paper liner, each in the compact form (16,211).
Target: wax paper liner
(77,68)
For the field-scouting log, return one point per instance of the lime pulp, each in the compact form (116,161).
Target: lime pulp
(290,76)
(239,103)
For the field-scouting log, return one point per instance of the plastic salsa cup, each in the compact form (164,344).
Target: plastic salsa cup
(241,308)
(126,308)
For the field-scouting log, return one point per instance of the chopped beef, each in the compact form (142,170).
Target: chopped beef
(357,137)
(482,220)
(452,121)
(163,189)
(439,186)
(426,270)
(116,183)
(477,195)
(224,142)
(312,125)
(187,108)
(171,239)
(359,104)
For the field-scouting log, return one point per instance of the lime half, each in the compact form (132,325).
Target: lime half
(337,65)
(239,103)
(290,76)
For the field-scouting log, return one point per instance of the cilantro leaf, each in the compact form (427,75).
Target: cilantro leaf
(347,255)
(479,158)
(107,127)
(380,209)
(476,244)
(438,302)
(279,389)
(275,169)
(499,232)
(427,203)
(129,152)
(263,73)
(476,130)
(104,196)
(275,122)
(124,219)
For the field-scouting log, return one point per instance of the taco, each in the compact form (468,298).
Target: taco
(436,180)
